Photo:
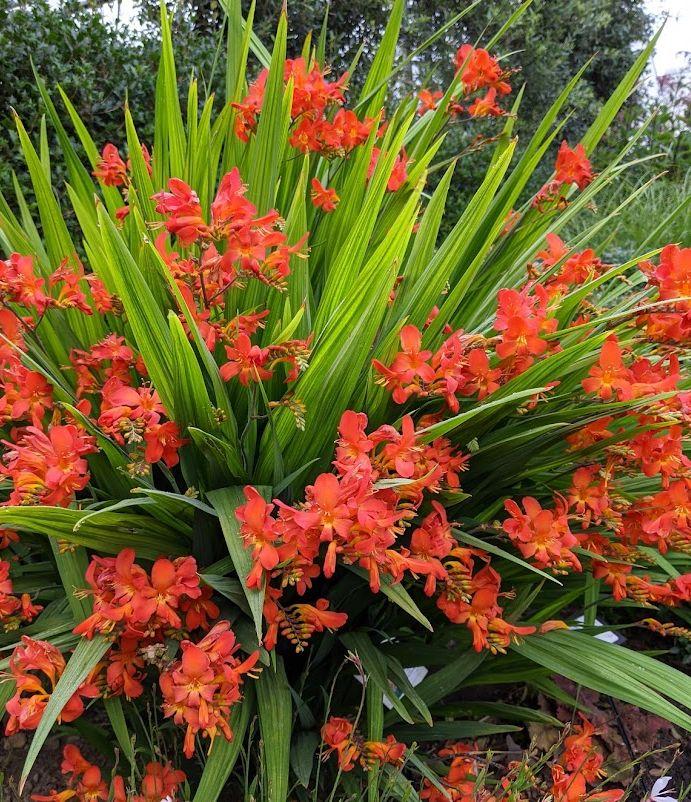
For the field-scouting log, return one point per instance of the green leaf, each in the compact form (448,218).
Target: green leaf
(192,402)
(169,130)
(275,723)
(618,97)
(232,589)
(145,317)
(78,174)
(450,424)
(57,238)
(614,670)
(224,754)
(84,658)
(445,681)
(304,748)
(339,358)
(266,149)
(471,540)
(398,595)
(108,533)
(229,426)
(116,717)
(374,698)
(499,710)
(225,502)
(72,565)
(453,730)
(374,664)
(374,89)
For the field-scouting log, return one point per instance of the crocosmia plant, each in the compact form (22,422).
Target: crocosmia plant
(270,441)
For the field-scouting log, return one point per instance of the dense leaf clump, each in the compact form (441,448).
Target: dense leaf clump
(271,440)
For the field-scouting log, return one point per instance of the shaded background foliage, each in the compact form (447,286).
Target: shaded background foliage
(98,62)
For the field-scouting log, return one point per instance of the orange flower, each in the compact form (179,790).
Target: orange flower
(324,198)
(337,734)
(428,100)
(542,534)
(200,689)
(572,166)
(610,376)
(184,212)
(33,664)
(257,528)
(48,468)
(480,70)
(111,169)
(486,106)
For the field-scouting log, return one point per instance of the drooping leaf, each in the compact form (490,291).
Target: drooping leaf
(84,658)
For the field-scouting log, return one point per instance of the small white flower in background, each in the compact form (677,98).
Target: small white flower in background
(658,788)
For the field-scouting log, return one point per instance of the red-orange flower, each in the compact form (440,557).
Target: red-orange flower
(572,166)
(48,467)
(324,198)
(200,689)
(111,169)
(542,534)
(36,666)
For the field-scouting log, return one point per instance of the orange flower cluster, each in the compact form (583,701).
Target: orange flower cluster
(85,782)
(466,364)
(200,689)
(575,269)
(471,597)
(130,603)
(479,71)
(461,366)
(132,415)
(523,319)
(572,166)
(46,459)
(672,277)
(340,737)
(47,467)
(542,535)
(361,517)
(19,284)
(14,609)
(324,198)
(139,611)
(27,394)
(112,171)
(461,782)
(611,378)
(252,363)
(399,173)
(610,525)
(252,245)
(313,96)
(469,779)
(580,765)
(35,667)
